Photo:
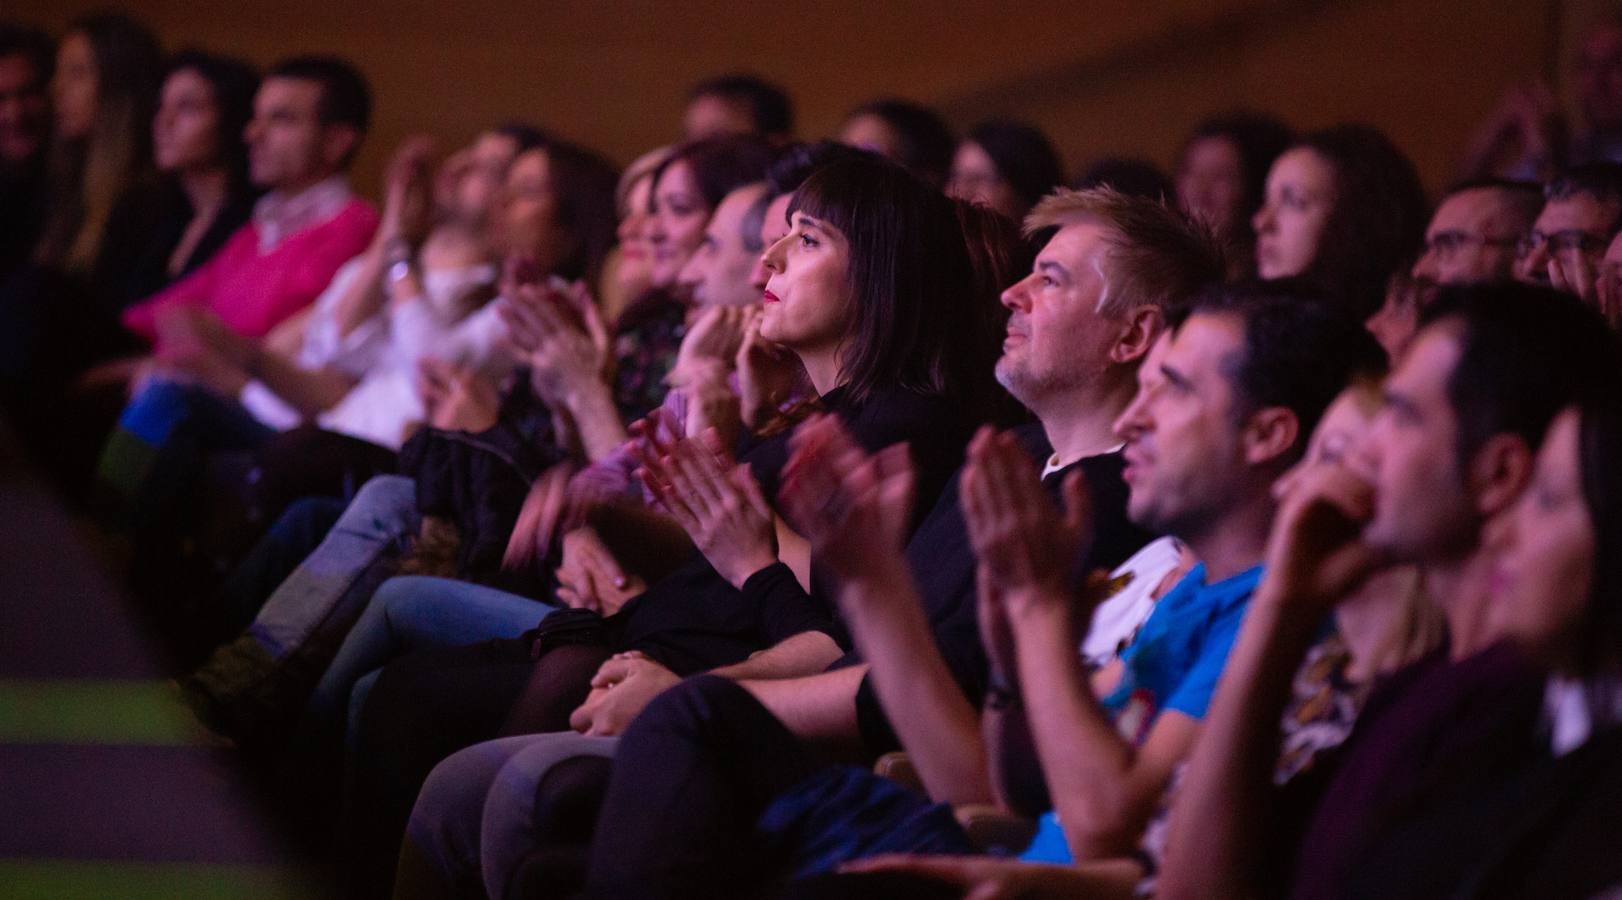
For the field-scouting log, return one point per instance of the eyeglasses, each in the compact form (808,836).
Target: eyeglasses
(1569,240)
(1447,244)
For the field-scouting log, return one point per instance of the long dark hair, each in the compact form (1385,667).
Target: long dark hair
(585,182)
(1599,447)
(233,83)
(915,319)
(1378,222)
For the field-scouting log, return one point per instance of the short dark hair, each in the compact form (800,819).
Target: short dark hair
(345,97)
(1525,198)
(927,142)
(1525,352)
(1023,155)
(1377,226)
(914,320)
(1599,180)
(27,41)
(1259,138)
(719,164)
(1301,349)
(770,108)
(233,82)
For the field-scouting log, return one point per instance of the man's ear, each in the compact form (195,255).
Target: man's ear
(1498,473)
(1140,328)
(338,144)
(1269,434)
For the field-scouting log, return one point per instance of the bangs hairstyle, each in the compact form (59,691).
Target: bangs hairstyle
(1158,255)
(914,319)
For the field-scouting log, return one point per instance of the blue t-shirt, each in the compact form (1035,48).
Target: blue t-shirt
(1173,664)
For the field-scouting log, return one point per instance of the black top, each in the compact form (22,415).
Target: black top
(943,566)
(694,620)
(22,213)
(143,230)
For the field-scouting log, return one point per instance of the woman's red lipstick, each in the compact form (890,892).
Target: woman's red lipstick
(768,297)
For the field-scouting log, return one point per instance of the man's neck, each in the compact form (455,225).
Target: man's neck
(1237,541)
(303,185)
(1458,586)
(1081,423)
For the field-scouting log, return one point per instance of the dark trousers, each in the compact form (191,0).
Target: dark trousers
(691,776)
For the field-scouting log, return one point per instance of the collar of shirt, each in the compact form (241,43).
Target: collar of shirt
(1054,465)
(278,215)
(1230,590)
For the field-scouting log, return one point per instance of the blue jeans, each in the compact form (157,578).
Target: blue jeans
(407,613)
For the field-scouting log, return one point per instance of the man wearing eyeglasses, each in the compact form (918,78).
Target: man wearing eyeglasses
(1475,231)
(1581,211)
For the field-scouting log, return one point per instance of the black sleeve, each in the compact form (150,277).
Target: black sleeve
(785,608)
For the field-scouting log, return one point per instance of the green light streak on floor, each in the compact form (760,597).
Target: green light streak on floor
(72,711)
(80,880)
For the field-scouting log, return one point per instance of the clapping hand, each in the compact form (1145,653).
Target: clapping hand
(714,499)
(851,505)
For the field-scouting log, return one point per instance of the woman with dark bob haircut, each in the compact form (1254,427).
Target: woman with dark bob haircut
(872,289)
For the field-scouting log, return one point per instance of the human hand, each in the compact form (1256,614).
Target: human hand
(1608,293)
(852,506)
(1574,273)
(1316,553)
(456,397)
(538,518)
(716,501)
(621,689)
(589,576)
(407,201)
(713,339)
(564,337)
(1027,549)
(767,375)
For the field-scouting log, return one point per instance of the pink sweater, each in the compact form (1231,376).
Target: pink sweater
(253,293)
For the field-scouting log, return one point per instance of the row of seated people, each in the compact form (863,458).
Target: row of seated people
(562,596)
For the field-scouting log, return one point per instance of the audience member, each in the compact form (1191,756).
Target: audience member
(739,103)
(103,92)
(197,145)
(905,132)
(1345,209)
(1474,236)
(1582,211)
(1007,166)
(1222,178)
(1526,135)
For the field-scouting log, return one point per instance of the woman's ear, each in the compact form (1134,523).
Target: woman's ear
(1499,471)
(1269,434)
(1140,328)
